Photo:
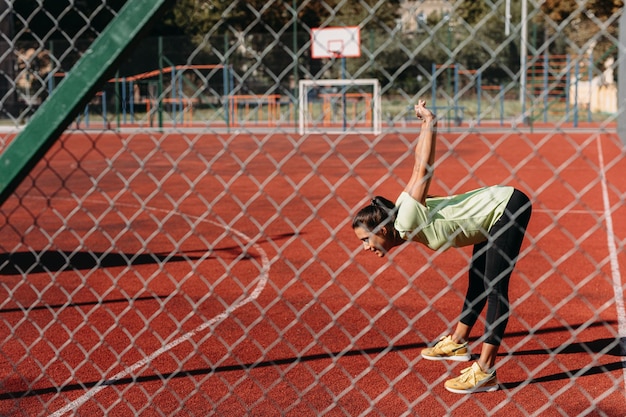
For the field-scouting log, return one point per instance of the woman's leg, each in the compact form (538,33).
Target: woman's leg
(489,274)
(475,300)
(500,256)
(500,259)
(476,296)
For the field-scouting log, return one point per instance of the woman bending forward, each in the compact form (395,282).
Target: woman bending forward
(492,219)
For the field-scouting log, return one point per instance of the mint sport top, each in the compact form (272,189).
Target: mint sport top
(458,220)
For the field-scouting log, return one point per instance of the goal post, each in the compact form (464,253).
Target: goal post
(340,106)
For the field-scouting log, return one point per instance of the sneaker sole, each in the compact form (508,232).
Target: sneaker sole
(458,358)
(490,388)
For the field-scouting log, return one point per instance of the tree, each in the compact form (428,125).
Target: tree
(259,33)
(8,98)
(62,19)
(201,17)
(580,24)
(479,41)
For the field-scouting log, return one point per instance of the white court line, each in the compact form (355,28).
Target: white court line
(615,272)
(263,277)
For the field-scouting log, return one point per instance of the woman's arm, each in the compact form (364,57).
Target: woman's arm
(418,184)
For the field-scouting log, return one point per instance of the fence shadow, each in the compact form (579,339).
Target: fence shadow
(608,346)
(19,263)
(605,346)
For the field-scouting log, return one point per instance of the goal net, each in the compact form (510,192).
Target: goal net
(340,106)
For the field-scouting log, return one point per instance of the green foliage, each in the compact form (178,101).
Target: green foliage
(50,20)
(207,16)
(256,36)
(579,25)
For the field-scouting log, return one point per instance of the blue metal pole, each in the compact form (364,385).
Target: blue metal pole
(343,91)
(225,101)
(131,102)
(181,95)
(546,87)
(479,88)
(174,104)
(50,83)
(124,99)
(456,93)
(576,74)
(590,77)
(567,87)
(226,79)
(104,108)
(434,85)
(231,89)
(501,92)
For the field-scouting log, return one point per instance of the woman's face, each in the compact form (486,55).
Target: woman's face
(374,242)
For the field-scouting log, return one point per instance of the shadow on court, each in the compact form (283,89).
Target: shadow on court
(574,373)
(607,346)
(208,371)
(604,346)
(19,263)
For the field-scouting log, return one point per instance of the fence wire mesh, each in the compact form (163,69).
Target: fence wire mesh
(182,249)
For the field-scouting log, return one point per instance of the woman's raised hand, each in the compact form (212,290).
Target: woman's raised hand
(422,113)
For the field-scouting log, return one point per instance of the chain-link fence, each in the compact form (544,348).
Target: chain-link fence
(184,247)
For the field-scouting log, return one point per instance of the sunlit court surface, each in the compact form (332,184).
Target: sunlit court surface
(178,183)
(141,286)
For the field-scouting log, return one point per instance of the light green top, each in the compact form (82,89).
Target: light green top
(458,220)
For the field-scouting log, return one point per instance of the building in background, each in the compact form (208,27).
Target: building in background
(415,13)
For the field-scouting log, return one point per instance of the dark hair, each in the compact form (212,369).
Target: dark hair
(381,212)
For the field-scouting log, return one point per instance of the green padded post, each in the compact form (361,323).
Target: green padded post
(77,88)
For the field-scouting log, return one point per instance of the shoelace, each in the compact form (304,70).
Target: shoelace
(439,345)
(466,374)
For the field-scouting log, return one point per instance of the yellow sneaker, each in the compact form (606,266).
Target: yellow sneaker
(446,349)
(473,379)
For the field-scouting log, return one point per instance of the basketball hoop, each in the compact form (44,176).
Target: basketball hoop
(336,42)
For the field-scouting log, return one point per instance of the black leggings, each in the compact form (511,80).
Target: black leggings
(491,267)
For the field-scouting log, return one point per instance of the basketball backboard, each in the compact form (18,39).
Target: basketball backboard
(336,42)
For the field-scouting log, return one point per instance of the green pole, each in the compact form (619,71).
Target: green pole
(75,90)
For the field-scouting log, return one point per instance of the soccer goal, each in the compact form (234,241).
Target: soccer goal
(340,106)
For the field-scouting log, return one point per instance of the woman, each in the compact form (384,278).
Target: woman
(492,219)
